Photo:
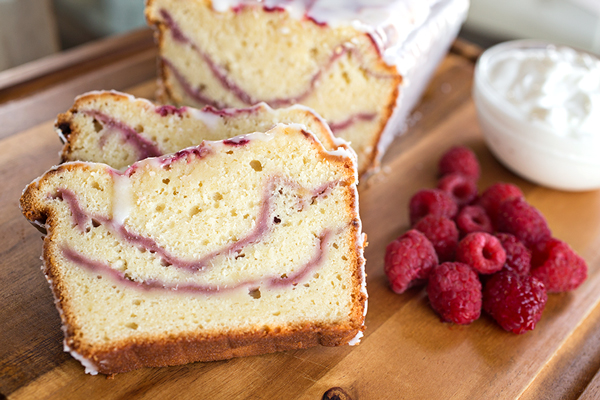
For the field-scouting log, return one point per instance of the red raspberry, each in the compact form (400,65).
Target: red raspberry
(495,195)
(442,234)
(559,267)
(523,220)
(409,260)
(462,160)
(515,302)
(518,257)
(454,292)
(482,251)
(473,219)
(431,201)
(463,189)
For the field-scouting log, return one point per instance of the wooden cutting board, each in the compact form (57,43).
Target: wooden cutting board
(406,353)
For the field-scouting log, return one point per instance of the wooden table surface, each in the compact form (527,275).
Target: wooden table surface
(406,353)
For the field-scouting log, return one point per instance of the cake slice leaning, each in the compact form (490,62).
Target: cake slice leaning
(232,248)
(118,129)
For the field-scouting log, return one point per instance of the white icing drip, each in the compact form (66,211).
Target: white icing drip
(60,133)
(210,119)
(122,200)
(262,136)
(90,367)
(356,339)
(337,141)
(360,243)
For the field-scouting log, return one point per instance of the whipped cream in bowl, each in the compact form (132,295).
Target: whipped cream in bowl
(538,105)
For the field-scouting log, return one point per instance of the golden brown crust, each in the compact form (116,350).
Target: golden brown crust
(194,348)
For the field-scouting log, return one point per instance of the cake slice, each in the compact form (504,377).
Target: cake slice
(119,129)
(231,248)
(362,64)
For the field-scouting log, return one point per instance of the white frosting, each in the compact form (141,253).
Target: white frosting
(122,199)
(90,367)
(210,119)
(557,87)
(262,136)
(356,339)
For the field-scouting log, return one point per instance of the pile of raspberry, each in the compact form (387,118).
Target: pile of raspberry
(492,251)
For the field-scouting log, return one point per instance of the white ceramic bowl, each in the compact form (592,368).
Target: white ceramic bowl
(529,148)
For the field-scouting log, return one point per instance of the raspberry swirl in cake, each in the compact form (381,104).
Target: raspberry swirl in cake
(266,221)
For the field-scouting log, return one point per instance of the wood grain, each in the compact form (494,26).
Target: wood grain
(407,351)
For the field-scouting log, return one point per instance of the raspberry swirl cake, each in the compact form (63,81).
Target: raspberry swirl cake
(360,64)
(231,248)
(119,129)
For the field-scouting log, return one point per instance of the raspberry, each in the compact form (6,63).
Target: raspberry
(463,189)
(482,252)
(431,201)
(473,219)
(409,260)
(515,302)
(518,257)
(462,160)
(454,292)
(442,234)
(495,195)
(559,267)
(523,220)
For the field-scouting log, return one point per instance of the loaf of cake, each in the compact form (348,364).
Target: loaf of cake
(231,248)
(360,64)
(119,129)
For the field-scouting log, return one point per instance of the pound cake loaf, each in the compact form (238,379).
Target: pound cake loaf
(231,248)
(360,64)
(119,129)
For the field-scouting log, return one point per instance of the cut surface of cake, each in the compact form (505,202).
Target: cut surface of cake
(361,64)
(118,129)
(230,248)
